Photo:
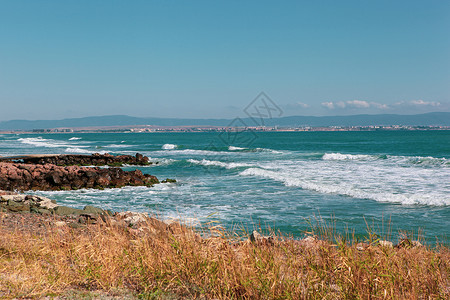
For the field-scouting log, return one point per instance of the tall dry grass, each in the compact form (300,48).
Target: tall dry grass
(174,262)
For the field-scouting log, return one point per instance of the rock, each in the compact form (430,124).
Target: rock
(65,211)
(7,193)
(60,223)
(95,159)
(27,203)
(417,244)
(88,209)
(52,177)
(311,242)
(404,243)
(362,246)
(75,225)
(168,180)
(89,218)
(386,244)
(41,202)
(256,237)
(40,211)
(16,198)
(14,206)
(132,218)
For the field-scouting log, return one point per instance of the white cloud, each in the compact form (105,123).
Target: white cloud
(329,105)
(354,104)
(417,103)
(420,102)
(340,104)
(303,105)
(358,104)
(379,105)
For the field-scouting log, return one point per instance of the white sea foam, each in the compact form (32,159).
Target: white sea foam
(41,142)
(162,161)
(382,180)
(268,150)
(191,152)
(233,148)
(423,161)
(118,146)
(340,156)
(82,151)
(74,139)
(50,143)
(169,146)
(226,165)
(405,160)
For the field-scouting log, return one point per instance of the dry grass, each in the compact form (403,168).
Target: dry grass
(174,262)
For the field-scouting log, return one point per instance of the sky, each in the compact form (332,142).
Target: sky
(210,59)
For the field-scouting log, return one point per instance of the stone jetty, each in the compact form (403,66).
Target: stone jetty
(81,160)
(63,172)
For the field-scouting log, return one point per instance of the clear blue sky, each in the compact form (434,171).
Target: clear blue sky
(187,59)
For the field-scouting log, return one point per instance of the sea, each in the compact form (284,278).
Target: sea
(391,183)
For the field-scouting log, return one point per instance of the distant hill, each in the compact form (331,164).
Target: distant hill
(428,119)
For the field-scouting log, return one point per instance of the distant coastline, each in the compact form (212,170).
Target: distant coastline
(165,129)
(121,123)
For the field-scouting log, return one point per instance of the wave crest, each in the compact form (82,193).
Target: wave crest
(340,156)
(169,146)
(225,165)
(289,179)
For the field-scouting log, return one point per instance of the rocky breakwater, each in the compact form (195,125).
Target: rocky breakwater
(86,160)
(25,176)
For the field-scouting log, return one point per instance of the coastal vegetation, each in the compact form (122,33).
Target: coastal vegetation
(149,259)
(52,251)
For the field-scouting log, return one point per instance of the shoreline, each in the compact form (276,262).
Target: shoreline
(59,252)
(133,256)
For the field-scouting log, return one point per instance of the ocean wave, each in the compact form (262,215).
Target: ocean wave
(405,160)
(350,187)
(118,146)
(162,161)
(74,139)
(191,152)
(233,148)
(169,146)
(340,156)
(268,150)
(226,165)
(425,161)
(242,149)
(82,151)
(41,142)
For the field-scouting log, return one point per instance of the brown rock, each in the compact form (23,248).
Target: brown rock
(18,176)
(362,246)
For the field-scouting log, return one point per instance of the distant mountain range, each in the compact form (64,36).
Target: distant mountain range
(428,119)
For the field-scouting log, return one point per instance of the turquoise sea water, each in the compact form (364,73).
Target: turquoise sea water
(274,179)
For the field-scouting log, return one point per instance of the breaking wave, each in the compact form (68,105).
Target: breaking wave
(41,142)
(226,165)
(268,150)
(191,152)
(169,147)
(372,192)
(82,151)
(406,160)
(233,148)
(340,156)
